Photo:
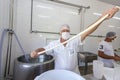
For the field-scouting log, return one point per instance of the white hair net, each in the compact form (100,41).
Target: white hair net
(65,26)
(110,34)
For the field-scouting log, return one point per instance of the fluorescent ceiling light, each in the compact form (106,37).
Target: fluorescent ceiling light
(71,12)
(45,7)
(111,26)
(116,18)
(98,14)
(43,16)
(26,66)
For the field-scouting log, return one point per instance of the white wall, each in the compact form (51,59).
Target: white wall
(31,41)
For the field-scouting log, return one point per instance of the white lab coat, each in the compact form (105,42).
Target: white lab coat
(65,57)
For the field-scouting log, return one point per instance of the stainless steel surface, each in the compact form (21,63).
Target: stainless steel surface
(86,57)
(28,69)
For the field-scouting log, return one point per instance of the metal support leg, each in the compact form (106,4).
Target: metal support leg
(86,67)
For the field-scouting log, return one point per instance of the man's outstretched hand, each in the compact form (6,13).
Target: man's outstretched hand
(111,12)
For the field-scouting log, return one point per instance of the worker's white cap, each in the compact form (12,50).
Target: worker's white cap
(64,26)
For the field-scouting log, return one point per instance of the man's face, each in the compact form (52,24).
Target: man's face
(65,34)
(112,38)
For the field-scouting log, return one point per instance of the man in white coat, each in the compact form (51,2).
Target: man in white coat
(66,55)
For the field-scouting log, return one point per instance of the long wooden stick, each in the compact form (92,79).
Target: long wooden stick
(118,7)
(95,24)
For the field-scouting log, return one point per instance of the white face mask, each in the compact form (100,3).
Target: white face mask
(65,35)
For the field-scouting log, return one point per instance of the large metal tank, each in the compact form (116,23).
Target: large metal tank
(27,68)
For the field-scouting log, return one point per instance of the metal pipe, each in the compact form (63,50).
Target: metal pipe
(1,46)
(47,32)
(8,56)
(96,36)
(31,16)
(70,4)
(11,14)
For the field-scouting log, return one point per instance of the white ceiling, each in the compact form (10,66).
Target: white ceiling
(113,2)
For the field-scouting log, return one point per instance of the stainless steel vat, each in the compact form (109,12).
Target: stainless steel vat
(26,68)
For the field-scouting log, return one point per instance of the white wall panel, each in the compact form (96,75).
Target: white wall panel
(49,16)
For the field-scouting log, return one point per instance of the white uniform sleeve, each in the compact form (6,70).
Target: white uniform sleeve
(101,47)
(75,43)
(51,52)
(78,41)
